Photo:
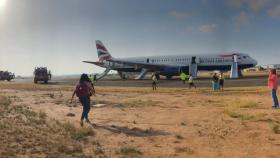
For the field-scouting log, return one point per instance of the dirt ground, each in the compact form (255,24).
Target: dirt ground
(138,122)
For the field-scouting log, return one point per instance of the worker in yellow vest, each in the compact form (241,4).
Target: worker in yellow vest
(191,83)
(183,77)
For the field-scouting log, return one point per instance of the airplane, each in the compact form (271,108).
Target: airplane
(171,65)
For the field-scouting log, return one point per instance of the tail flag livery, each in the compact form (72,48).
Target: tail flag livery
(102,52)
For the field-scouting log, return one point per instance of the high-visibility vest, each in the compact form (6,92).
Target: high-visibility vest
(183,76)
(91,79)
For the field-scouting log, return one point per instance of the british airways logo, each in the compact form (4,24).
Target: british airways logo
(104,56)
(98,46)
(102,53)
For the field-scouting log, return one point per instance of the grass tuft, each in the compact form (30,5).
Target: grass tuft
(141,103)
(179,136)
(237,115)
(128,151)
(275,128)
(5,101)
(236,104)
(78,134)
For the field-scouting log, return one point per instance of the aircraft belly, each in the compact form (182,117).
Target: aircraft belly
(222,67)
(131,69)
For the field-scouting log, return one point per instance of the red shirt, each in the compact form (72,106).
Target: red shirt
(273,81)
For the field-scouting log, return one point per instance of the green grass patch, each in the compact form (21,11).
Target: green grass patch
(127,151)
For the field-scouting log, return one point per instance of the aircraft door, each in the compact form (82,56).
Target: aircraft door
(193,60)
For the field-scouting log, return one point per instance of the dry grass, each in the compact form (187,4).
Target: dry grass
(151,126)
(78,134)
(128,151)
(184,150)
(5,101)
(27,133)
(178,136)
(141,103)
(238,103)
(238,115)
(35,87)
(234,108)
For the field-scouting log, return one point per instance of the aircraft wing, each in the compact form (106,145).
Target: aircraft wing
(140,65)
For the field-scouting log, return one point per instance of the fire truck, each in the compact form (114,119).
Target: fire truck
(41,74)
(5,75)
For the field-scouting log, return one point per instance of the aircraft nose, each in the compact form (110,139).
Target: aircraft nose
(255,62)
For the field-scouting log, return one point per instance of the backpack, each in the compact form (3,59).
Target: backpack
(82,90)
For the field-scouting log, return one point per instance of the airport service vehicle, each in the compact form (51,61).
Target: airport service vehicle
(173,65)
(42,74)
(5,75)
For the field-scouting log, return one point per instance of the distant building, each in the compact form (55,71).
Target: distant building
(272,66)
(256,68)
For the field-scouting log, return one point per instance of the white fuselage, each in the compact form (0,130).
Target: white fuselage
(204,62)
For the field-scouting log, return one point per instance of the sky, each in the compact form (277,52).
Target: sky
(60,34)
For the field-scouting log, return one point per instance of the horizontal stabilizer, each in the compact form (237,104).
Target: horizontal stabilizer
(94,62)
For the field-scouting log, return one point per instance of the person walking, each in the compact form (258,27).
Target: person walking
(273,85)
(215,82)
(221,81)
(94,78)
(191,83)
(91,78)
(154,81)
(84,89)
(183,77)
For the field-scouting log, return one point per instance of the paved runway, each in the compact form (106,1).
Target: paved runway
(176,83)
(245,82)
(248,81)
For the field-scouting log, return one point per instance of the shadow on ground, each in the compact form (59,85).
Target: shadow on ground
(137,132)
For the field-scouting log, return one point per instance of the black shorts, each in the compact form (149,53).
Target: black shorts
(221,82)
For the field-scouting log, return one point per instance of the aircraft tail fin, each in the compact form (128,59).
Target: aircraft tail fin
(102,52)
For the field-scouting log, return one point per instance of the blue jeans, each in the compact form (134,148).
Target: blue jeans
(215,85)
(85,100)
(274,97)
